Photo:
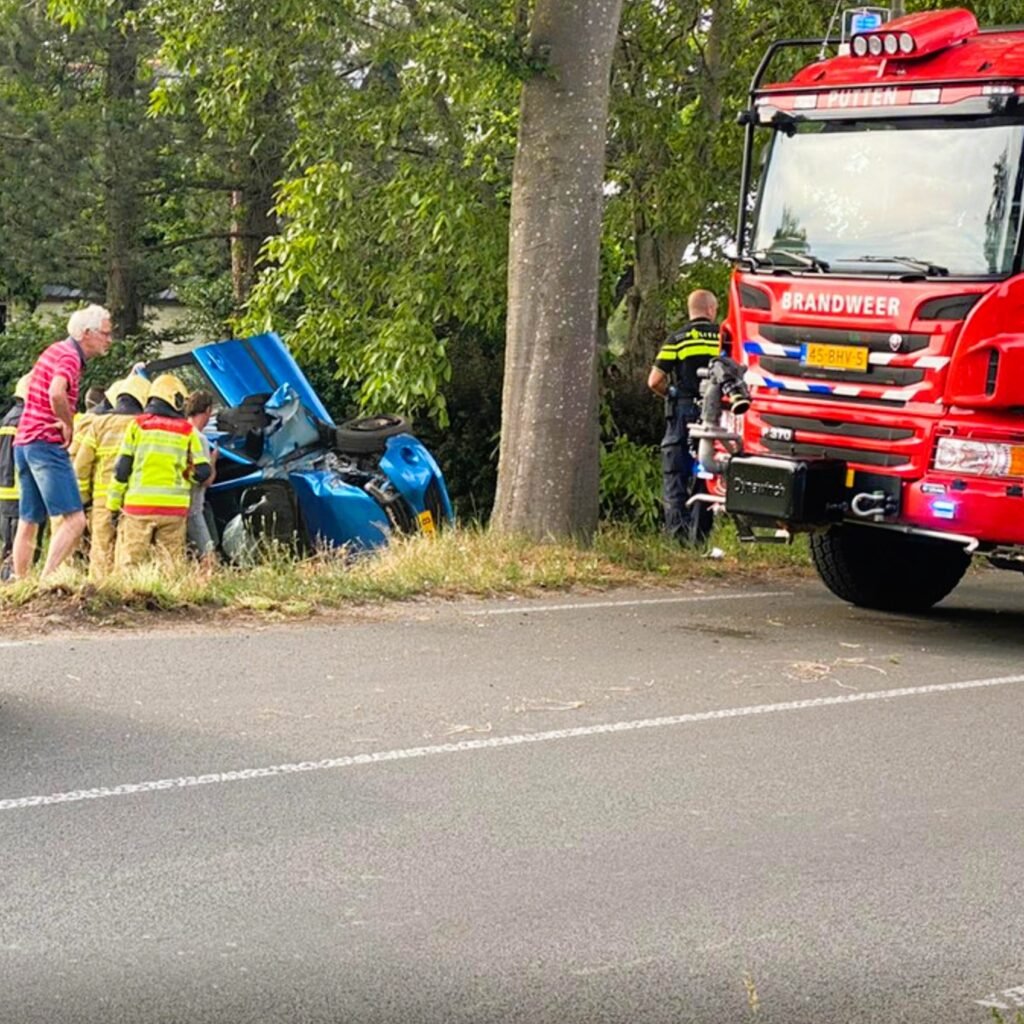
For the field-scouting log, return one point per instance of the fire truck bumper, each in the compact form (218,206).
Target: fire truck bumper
(800,493)
(991,510)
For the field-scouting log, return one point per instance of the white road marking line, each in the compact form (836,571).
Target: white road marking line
(583,605)
(492,743)
(20,643)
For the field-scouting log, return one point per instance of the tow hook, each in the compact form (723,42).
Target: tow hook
(873,505)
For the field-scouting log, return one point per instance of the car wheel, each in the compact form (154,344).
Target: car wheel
(368,434)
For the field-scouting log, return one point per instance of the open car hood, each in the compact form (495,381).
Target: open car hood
(257,365)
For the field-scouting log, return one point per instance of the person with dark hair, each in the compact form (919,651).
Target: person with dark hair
(198,410)
(674,377)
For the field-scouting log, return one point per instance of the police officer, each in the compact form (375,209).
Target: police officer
(674,378)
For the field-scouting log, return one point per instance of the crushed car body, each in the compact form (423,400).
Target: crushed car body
(287,473)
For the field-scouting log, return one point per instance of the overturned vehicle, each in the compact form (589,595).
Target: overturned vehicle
(286,473)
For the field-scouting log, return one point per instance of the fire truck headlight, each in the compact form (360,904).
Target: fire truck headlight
(875,45)
(891,44)
(860,46)
(906,42)
(979,458)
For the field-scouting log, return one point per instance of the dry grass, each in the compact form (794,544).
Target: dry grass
(461,562)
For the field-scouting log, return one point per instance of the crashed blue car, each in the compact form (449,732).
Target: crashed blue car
(287,473)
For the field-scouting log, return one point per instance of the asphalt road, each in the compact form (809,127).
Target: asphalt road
(731,805)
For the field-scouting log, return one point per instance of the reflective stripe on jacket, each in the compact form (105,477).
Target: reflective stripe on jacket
(99,445)
(156,452)
(688,350)
(8,471)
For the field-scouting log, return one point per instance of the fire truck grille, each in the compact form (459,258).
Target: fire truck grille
(876,341)
(837,428)
(890,376)
(822,437)
(865,456)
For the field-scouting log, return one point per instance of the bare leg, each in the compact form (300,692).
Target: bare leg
(64,540)
(24,548)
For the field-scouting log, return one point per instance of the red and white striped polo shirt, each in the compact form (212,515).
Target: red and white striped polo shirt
(38,423)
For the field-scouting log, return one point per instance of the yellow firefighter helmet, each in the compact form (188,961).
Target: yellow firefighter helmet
(169,389)
(134,384)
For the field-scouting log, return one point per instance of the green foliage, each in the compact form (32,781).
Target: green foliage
(631,483)
(20,345)
(26,336)
(467,449)
(390,126)
(120,358)
(395,216)
(1018,1017)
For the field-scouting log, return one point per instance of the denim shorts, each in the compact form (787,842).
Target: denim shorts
(46,481)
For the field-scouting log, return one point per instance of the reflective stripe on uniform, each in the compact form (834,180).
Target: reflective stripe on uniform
(686,349)
(12,492)
(160,450)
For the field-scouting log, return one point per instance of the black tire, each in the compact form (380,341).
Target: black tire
(882,569)
(368,434)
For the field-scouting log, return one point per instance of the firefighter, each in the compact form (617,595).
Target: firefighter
(160,458)
(99,446)
(674,378)
(9,475)
(96,404)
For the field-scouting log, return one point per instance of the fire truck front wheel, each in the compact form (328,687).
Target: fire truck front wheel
(889,571)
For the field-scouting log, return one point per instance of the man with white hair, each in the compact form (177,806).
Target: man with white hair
(48,487)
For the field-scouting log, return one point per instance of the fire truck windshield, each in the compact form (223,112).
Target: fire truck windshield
(947,191)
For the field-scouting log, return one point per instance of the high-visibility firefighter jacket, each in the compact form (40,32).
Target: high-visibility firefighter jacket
(82,421)
(8,472)
(99,445)
(150,472)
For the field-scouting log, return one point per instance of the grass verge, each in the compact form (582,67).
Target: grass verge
(463,562)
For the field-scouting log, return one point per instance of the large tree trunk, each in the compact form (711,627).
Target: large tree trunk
(125,112)
(548,465)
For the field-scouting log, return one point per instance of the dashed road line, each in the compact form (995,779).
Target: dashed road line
(492,743)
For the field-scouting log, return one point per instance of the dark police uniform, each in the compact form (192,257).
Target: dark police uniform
(690,349)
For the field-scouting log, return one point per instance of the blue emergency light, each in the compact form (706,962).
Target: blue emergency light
(863,19)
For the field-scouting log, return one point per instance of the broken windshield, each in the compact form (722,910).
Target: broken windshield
(946,190)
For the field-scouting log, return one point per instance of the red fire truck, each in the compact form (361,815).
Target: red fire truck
(877,308)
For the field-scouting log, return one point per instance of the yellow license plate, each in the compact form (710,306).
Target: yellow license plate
(427,523)
(835,357)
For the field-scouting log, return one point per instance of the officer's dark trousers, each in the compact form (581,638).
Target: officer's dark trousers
(677,471)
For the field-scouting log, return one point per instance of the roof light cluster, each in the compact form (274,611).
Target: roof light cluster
(916,34)
(891,44)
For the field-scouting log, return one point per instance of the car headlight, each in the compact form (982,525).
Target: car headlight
(979,458)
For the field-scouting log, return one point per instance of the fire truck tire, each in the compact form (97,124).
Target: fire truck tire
(889,571)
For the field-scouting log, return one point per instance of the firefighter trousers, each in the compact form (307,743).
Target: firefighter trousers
(102,539)
(142,538)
